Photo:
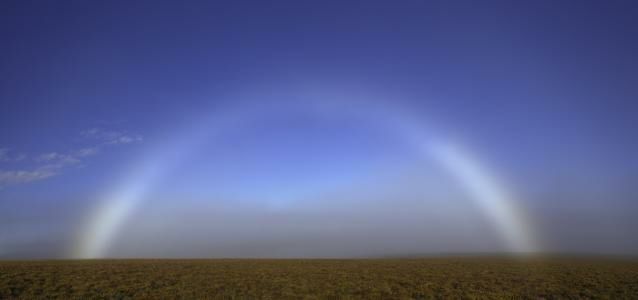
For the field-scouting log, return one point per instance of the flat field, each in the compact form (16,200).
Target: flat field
(423,278)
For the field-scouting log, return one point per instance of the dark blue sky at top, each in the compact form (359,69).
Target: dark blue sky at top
(546,90)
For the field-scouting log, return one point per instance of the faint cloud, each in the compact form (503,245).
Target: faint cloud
(125,139)
(90,151)
(109,137)
(50,164)
(47,157)
(57,160)
(21,176)
(90,132)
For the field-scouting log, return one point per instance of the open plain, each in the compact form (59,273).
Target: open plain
(422,278)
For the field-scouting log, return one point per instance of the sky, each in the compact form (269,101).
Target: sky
(317,129)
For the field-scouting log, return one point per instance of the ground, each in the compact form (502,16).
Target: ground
(423,278)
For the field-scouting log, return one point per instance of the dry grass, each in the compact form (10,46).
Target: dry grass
(436,278)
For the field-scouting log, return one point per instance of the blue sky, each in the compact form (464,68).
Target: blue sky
(542,93)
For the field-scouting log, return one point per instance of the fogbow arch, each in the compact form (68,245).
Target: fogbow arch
(105,220)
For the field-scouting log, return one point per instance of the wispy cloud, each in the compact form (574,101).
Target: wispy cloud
(47,157)
(50,164)
(109,137)
(89,151)
(22,176)
(56,160)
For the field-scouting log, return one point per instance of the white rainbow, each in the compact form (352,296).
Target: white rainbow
(106,220)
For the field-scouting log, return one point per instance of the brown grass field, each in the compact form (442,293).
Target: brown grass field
(423,278)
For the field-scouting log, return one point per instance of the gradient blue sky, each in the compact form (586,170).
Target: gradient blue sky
(544,92)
